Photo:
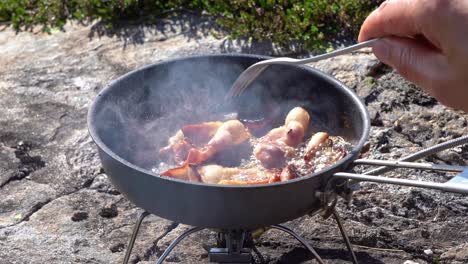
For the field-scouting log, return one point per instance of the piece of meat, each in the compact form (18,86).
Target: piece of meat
(197,143)
(236,182)
(200,134)
(177,151)
(252,176)
(271,156)
(194,145)
(216,173)
(273,148)
(229,134)
(188,137)
(171,142)
(314,143)
(184,172)
(288,173)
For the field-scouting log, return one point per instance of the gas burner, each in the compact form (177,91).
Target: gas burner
(234,246)
(237,246)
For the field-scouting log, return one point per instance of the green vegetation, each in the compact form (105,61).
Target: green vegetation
(311,22)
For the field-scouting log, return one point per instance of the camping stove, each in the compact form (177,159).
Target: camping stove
(237,246)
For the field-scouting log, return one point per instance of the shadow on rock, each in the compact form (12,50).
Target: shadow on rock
(191,25)
(244,45)
(135,32)
(300,255)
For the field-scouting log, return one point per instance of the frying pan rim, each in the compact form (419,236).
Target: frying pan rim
(351,156)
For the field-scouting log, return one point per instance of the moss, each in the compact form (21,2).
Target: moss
(314,23)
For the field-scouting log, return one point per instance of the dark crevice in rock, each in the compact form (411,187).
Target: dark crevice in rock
(137,259)
(412,137)
(378,70)
(117,248)
(372,96)
(272,244)
(119,227)
(376,120)
(6,136)
(415,95)
(111,192)
(28,163)
(101,184)
(453,161)
(300,255)
(109,212)
(154,249)
(56,132)
(87,183)
(35,208)
(79,216)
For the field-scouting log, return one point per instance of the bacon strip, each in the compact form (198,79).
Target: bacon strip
(216,174)
(288,173)
(193,145)
(280,142)
(184,172)
(200,134)
(229,134)
(197,143)
(314,143)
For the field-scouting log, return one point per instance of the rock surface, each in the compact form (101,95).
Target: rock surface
(58,206)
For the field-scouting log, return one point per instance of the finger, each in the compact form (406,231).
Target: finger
(417,62)
(393,17)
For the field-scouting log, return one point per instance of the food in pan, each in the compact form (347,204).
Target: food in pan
(198,143)
(273,149)
(201,151)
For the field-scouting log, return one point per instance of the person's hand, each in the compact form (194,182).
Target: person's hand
(427,42)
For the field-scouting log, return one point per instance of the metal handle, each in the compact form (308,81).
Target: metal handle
(458,184)
(291,61)
(342,51)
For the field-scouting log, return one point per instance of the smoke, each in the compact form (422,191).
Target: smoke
(140,112)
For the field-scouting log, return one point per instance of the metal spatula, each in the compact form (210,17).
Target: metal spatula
(251,73)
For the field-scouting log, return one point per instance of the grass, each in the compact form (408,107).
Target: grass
(312,23)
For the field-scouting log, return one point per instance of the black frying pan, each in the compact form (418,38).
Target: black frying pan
(133,117)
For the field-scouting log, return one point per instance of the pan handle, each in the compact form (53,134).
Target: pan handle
(458,184)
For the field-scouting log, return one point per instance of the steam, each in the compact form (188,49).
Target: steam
(142,111)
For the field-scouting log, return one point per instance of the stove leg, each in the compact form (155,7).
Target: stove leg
(176,241)
(136,228)
(300,239)
(344,235)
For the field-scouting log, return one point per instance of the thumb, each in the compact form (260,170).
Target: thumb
(414,60)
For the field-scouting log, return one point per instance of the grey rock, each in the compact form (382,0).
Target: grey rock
(410,262)
(428,252)
(458,254)
(20,199)
(90,239)
(8,165)
(346,69)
